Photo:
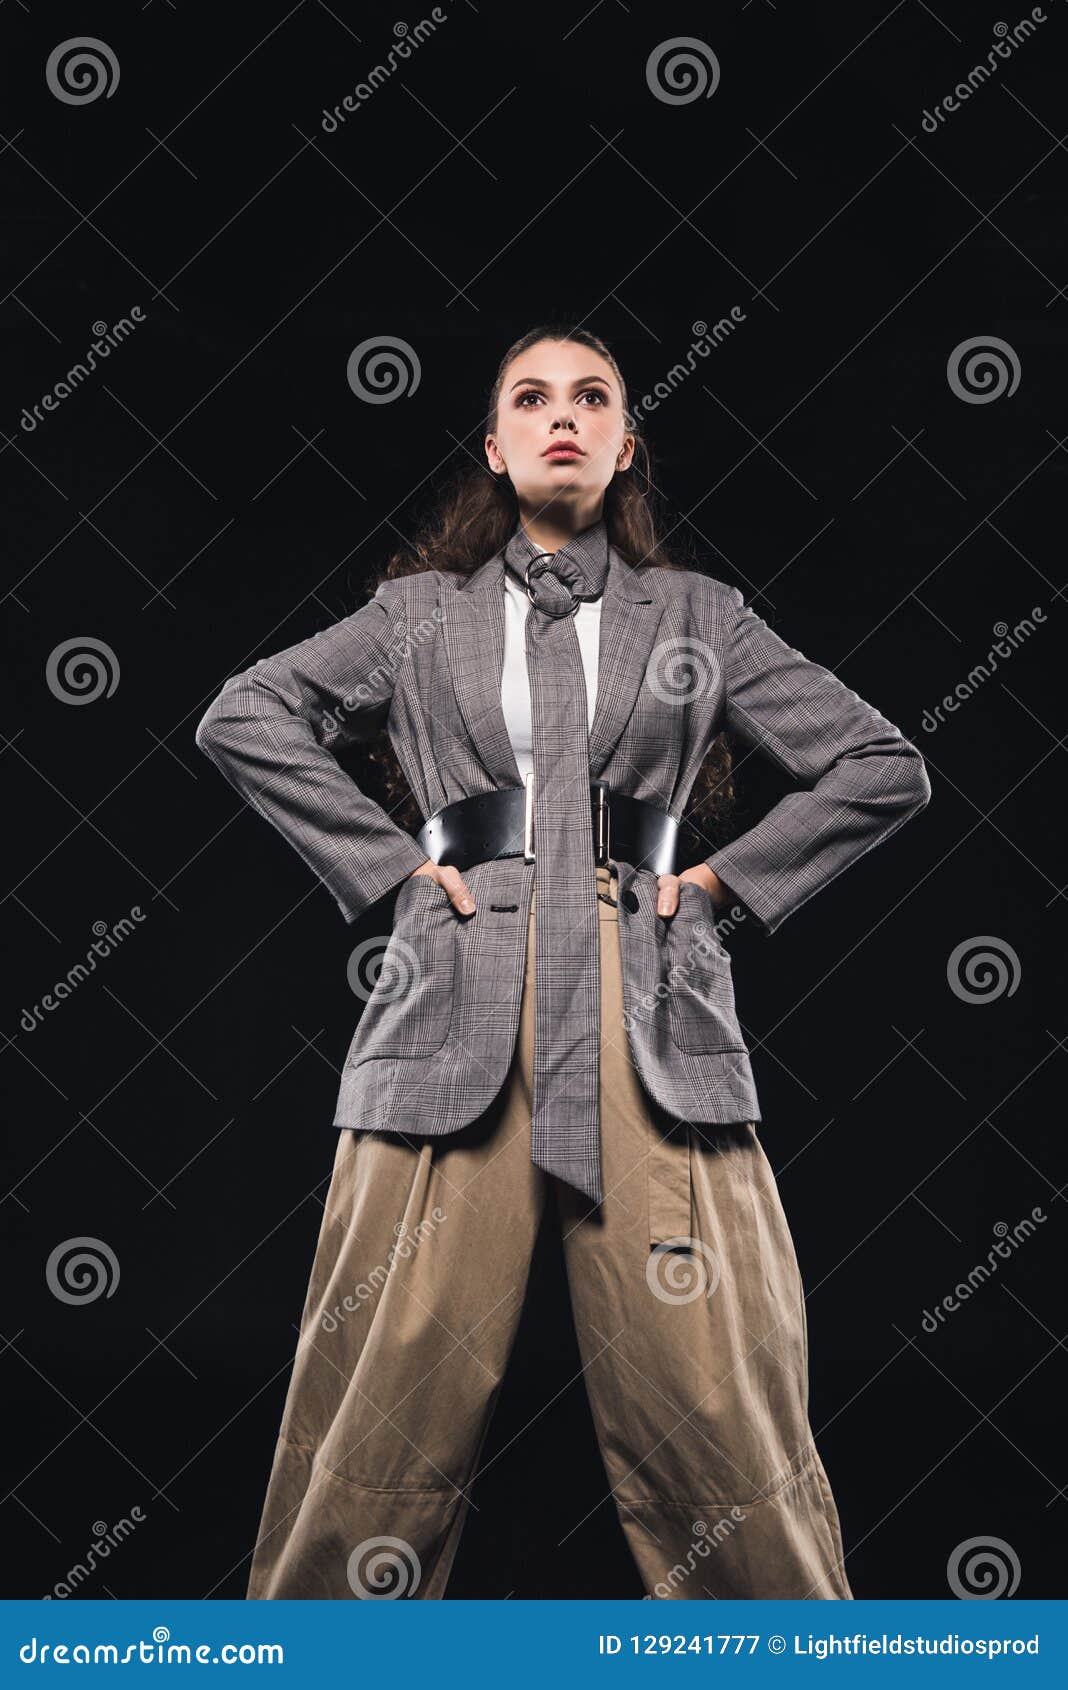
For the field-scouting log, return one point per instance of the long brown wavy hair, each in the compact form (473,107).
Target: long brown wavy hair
(472,518)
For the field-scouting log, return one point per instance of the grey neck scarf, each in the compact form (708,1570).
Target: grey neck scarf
(565,1129)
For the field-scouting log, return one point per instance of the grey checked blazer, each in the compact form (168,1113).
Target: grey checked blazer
(423,658)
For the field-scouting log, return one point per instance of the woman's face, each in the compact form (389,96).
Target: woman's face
(559,394)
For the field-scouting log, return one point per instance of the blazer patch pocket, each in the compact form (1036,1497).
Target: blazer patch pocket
(700,994)
(409,1012)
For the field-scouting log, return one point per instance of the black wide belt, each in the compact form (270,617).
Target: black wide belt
(501,824)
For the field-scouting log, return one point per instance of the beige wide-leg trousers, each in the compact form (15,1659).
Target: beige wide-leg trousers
(695,1361)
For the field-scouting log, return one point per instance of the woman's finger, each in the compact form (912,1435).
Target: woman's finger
(453,882)
(667,898)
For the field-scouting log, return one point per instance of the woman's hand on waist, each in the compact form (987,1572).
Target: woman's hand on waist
(451,879)
(667,900)
(667,884)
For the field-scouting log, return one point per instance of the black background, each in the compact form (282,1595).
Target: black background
(217,492)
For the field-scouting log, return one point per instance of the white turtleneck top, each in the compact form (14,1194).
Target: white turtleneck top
(515,683)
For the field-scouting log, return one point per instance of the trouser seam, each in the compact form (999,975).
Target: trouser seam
(383,1490)
(755,1502)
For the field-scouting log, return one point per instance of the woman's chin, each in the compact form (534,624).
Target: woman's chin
(563,480)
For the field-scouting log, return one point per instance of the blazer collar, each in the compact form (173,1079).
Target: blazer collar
(473,631)
(622,580)
(587,552)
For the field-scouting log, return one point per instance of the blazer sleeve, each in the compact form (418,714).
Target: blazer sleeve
(858,778)
(273,730)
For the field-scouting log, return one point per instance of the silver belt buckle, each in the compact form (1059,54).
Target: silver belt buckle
(603,822)
(528,819)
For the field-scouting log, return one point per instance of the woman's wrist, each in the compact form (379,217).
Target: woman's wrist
(709,879)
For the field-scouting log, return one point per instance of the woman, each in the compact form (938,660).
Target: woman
(556,691)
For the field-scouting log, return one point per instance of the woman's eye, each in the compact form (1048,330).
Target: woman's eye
(589,393)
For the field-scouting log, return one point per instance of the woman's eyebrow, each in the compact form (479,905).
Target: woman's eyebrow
(537,381)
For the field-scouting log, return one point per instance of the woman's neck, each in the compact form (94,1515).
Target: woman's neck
(550,528)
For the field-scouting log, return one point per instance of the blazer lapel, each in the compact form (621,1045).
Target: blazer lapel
(630,617)
(473,631)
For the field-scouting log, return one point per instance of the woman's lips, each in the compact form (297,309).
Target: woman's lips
(562,452)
